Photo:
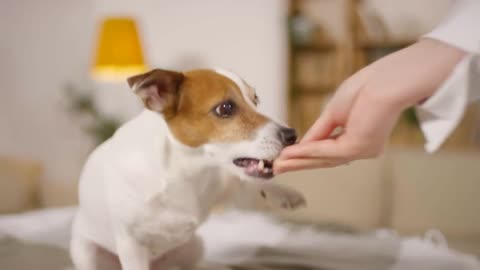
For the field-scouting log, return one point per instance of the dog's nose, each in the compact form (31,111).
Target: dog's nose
(288,136)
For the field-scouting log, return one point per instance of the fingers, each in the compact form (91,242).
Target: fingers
(325,149)
(321,129)
(311,155)
(337,111)
(336,137)
(288,165)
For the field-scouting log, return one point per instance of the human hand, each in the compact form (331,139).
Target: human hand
(368,104)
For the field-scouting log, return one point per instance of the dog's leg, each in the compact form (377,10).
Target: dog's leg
(183,257)
(132,255)
(278,196)
(87,255)
(83,253)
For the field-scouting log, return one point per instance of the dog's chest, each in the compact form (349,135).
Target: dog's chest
(170,217)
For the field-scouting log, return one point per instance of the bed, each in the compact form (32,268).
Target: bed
(242,240)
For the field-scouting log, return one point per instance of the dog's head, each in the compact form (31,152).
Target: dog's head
(216,110)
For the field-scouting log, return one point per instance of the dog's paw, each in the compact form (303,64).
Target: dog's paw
(283,197)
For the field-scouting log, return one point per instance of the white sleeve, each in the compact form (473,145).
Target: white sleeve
(462,26)
(441,113)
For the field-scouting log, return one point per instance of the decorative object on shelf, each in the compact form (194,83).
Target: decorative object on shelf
(302,30)
(96,124)
(119,51)
(300,27)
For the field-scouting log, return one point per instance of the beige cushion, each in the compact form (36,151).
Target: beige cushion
(18,185)
(58,193)
(466,244)
(436,191)
(347,195)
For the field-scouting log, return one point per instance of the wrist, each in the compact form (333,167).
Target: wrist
(431,62)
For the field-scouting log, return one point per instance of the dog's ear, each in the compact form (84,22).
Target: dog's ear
(158,89)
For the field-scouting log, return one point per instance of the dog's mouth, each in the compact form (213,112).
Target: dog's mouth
(260,168)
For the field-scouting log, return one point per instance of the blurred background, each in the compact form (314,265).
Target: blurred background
(62,92)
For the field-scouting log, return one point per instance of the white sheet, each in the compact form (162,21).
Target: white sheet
(237,237)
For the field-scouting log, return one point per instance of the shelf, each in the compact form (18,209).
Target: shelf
(317,89)
(314,47)
(384,44)
(311,94)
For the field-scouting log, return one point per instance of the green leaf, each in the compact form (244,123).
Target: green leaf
(411,117)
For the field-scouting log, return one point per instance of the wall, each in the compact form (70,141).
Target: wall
(44,44)
(48,43)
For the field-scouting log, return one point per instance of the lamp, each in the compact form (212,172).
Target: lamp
(119,51)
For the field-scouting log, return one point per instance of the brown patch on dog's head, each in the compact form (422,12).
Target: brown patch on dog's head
(200,106)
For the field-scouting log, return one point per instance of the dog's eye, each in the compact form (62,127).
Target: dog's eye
(225,109)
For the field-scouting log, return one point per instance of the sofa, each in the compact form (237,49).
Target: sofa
(407,191)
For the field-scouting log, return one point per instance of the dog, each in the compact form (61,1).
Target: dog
(199,142)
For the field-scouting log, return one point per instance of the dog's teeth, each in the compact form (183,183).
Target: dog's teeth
(260,165)
(265,170)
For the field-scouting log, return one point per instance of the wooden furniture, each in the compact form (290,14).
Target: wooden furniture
(318,65)
(19,185)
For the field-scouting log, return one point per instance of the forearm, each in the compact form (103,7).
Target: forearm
(439,62)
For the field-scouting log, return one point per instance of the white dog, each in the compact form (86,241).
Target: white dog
(199,142)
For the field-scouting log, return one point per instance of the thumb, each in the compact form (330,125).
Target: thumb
(321,129)
(337,110)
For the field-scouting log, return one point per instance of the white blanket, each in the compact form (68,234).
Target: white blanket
(256,241)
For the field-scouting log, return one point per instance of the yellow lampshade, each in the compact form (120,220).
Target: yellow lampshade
(119,51)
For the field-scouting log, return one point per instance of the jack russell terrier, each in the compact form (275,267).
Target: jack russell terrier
(199,142)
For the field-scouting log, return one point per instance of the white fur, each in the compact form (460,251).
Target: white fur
(244,87)
(143,193)
(264,145)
